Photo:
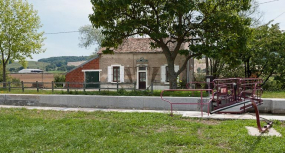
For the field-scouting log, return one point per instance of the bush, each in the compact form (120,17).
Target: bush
(59,78)
(272,85)
(14,82)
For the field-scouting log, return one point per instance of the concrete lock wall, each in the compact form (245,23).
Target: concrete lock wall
(275,106)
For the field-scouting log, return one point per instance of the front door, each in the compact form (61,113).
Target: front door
(92,77)
(142,80)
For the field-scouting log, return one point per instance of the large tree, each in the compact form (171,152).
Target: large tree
(19,36)
(172,23)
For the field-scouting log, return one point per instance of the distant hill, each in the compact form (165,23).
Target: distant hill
(65,59)
(60,63)
(15,67)
(51,64)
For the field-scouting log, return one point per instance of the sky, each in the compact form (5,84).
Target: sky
(69,15)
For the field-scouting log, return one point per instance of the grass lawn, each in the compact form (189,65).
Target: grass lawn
(273,94)
(25,130)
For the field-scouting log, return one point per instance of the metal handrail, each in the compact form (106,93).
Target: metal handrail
(201,103)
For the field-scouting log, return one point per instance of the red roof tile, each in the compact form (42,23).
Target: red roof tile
(139,45)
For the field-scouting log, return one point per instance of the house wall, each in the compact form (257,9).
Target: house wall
(77,75)
(130,63)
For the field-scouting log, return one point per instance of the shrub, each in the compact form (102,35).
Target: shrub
(272,85)
(59,78)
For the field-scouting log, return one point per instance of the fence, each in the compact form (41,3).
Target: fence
(66,86)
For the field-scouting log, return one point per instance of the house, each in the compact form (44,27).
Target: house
(133,62)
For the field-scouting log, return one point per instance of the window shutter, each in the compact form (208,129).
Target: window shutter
(122,74)
(110,75)
(162,74)
(176,68)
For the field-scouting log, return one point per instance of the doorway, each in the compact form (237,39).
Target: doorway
(142,80)
(92,77)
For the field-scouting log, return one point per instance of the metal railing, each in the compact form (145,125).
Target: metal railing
(201,103)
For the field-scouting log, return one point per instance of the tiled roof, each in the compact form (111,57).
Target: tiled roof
(139,45)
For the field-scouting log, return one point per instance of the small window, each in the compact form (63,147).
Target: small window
(166,74)
(116,74)
(142,68)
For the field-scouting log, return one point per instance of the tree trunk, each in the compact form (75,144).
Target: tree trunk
(172,75)
(248,72)
(4,74)
(245,69)
(207,66)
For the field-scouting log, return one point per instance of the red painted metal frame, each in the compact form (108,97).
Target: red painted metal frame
(201,103)
(269,123)
(246,89)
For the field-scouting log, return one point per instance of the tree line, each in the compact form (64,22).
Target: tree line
(60,63)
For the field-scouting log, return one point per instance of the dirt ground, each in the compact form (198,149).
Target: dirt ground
(30,78)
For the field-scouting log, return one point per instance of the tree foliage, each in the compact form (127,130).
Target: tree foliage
(90,36)
(173,23)
(60,63)
(19,36)
(266,53)
(63,59)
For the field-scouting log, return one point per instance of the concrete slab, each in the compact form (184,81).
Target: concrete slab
(231,116)
(255,132)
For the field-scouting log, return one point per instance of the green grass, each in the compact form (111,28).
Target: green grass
(24,130)
(57,72)
(273,94)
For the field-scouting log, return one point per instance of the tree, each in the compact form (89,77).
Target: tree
(170,23)
(90,36)
(220,64)
(19,37)
(265,54)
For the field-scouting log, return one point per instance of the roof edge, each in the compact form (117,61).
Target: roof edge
(82,64)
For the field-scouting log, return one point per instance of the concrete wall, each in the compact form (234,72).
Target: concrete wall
(275,106)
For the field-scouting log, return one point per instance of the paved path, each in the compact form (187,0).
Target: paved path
(195,114)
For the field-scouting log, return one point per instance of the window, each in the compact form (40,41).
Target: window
(142,68)
(164,73)
(116,74)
